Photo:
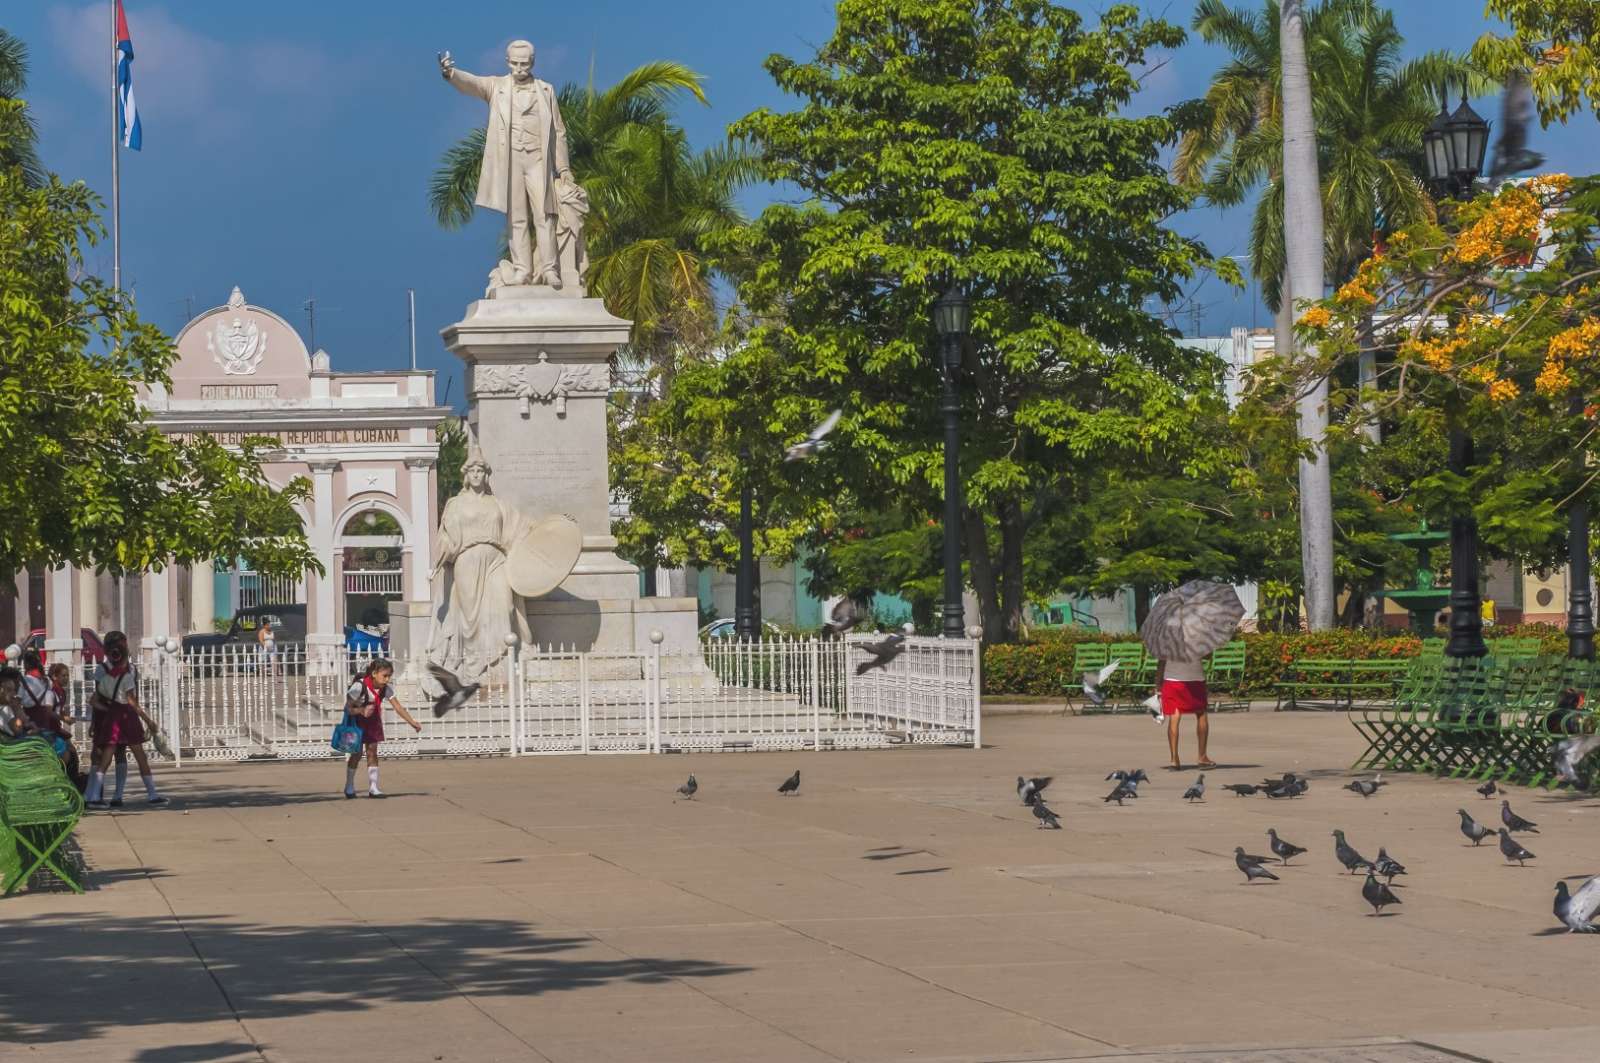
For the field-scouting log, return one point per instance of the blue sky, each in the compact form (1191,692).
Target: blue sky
(287,146)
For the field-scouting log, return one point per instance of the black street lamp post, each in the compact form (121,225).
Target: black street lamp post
(1453,146)
(746,621)
(951,318)
(1580,603)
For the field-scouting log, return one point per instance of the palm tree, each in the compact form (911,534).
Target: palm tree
(652,199)
(1304,245)
(19,150)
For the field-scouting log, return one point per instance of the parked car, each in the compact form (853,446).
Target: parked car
(93,651)
(727,627)
(289,629)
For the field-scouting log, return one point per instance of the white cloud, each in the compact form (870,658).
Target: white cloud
(186,77)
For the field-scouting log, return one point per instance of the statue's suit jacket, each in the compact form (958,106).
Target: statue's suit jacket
(546,131)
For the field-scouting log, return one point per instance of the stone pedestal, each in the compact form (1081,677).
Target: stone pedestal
(410,625)
(538,374)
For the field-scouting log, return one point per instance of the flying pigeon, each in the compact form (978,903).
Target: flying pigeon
(1513,851)
(1474,830)
(1348,856)
(1093,681)
(1250,865)
(1028,790)
(1136,776)
(1125,788)
(688,788)
(1514,821)
(1285,850)
(1577,910)
(1242,789)
(1366,788)
(1570,752)
(456,694)
(1487,789)
(1388,866)
(1511,152)
(1197,792)
(791,785)
(846,613)
(813,443)
(1047,819)
(882,653)
(1377,894)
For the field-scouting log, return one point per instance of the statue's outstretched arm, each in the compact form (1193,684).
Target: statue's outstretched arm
(468,84)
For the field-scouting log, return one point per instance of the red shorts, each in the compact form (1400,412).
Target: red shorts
(1180,698)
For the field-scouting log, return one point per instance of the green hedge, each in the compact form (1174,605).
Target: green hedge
(1042,667)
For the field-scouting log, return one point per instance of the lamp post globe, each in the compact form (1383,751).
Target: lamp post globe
(952,320)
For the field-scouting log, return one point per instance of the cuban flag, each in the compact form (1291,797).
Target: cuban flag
(127,111)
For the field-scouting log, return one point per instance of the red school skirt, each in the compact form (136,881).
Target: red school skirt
(1180,698)
(371,726)
(118,726)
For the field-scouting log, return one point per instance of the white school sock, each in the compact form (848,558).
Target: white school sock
(349,780)
(122,778)
(372,781)
(149,786)
(96,788)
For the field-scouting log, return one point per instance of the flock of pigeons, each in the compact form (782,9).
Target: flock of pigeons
(1576,909)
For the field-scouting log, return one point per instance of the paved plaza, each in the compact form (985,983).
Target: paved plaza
(903,907)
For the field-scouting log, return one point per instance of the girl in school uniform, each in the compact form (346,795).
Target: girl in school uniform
(119,720)
(365,701)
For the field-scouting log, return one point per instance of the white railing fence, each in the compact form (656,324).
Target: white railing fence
(373,581)
(233,702)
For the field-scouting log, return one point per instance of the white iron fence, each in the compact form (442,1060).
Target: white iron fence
(234,702)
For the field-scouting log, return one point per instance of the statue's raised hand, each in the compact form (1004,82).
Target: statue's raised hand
(446,64)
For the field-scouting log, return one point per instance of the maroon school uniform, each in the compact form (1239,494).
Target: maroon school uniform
(120,724)
(362,693)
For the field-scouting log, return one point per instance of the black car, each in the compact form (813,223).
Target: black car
(288,629)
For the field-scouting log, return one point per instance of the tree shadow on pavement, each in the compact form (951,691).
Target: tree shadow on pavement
(198,1053)
(110,972)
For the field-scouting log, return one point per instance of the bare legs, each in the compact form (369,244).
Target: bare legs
(1202,726)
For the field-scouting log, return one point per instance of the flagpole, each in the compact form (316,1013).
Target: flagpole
(116,175)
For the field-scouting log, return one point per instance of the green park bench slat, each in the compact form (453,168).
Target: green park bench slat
(39,807)
(1086,657)
(1339,680)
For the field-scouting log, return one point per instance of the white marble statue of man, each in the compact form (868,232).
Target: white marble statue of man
(524,155)
(479,609)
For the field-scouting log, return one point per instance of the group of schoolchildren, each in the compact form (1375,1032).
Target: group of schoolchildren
(35,702)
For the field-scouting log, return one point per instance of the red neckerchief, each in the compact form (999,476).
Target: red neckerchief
(376,694)
(118,671)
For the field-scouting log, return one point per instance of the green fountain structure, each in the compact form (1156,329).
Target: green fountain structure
(1424,600)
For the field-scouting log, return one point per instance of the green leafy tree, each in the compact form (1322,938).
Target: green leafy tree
(83,478)
(978,143)
(19,152)
(1555,44)
(452,453)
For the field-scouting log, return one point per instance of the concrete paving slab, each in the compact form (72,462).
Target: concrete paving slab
(904,906)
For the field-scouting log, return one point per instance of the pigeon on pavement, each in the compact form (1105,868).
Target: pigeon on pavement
(1093,681)
(1516,822)
(882,653)
(1197,792)
(1348,856)
(813,443)
(1250,865)
(1388,866)
(791,785)
(1488,789)
(688,789)
(1513,851)
(1577,909)
(1285,850)
(1377,894)
(1570,752)
(1046,818)
(1367,787)
(1136,776)
(456,693)
(1241,789)
(1474,830)
(1028,790)
(1124,789)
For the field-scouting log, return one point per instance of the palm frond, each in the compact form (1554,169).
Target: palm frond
(454,185)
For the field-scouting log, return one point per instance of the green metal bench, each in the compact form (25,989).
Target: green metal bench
(1225,675)
(39,807)
(1338,683)
(1086,657)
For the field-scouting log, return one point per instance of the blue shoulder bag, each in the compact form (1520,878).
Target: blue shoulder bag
(347,737)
